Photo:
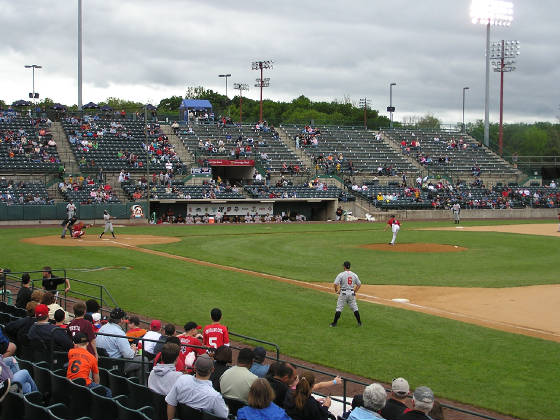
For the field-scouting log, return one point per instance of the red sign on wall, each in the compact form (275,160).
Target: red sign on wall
(225,162)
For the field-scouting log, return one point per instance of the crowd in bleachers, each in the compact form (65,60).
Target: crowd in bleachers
(114,145)
(26,144)
(56,364)
(23,192)
(85,190)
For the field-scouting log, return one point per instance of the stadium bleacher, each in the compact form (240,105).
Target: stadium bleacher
(177,191)
(26,146)
(23,192)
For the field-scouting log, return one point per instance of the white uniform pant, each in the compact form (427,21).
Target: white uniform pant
(108,227)
(346,298)
(395,229)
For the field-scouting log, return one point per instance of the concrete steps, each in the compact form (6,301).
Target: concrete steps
(285,138)
(185,156)
(64,151)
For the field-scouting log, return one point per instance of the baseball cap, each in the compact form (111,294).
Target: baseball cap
(400,386)
(155,325)
(41,310)
(80,338)
(191,325)
(259,353)
(423,394)
(117,313)
(203,364)
(96,316)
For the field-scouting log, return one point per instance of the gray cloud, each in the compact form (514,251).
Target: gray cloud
(145,49)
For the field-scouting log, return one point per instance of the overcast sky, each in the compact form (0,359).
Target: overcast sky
(148,50)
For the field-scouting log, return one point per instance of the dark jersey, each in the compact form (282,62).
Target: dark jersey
(51,284)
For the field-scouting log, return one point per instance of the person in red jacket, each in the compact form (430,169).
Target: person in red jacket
(215,334)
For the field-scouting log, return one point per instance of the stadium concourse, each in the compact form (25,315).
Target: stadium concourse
(219,172)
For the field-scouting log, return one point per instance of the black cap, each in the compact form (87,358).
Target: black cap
(117,313)
(80,338)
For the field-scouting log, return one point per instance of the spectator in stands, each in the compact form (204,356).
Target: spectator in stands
(59,318)
(133,328)
(153,334)
(43,331)
(222,362)
(118,347)
(191,337)
(196,391)
(215,334)
(258,367)
(374,400)
(24,293)
(168,331)
(9,367)
(236,381)
(92,306)
(81,325)
(357,401)
(7,348)
(260,403)
(83,365)
(301,405)
(280,376)
(49,300)
(164,375)
(422,403)
(50,283)
(396,401)
(18,328)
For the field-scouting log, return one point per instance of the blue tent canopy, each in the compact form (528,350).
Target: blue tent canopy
(196,104)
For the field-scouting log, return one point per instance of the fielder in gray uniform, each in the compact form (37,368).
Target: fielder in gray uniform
(456,208)
(108,224)
(346,285)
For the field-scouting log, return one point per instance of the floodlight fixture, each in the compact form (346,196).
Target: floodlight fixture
(260,65)
(33,67)
(241,87)
(502,54)
(490,13)
(226,76)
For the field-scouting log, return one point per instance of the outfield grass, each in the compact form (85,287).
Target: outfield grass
(492,369)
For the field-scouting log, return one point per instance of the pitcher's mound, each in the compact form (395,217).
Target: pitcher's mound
(417,247)
(125,240)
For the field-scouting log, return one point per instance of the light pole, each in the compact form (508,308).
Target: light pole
(241,87)
(33,67)
(502,55)
(79,55)
(490,12)
(260,65)
(364,102)
(226,76)
(391,108)
(463,126)
(147,157)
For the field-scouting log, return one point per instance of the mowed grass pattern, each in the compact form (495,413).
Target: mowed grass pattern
(492,369)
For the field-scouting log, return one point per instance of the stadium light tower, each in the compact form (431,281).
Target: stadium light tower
(226,76)
(502,54)
(463,126)
(241,87)
(391,108)
(33,67)
(364,103)
(79,55)
(260,65)
(490,12)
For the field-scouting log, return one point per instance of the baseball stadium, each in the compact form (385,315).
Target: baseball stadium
(125,227)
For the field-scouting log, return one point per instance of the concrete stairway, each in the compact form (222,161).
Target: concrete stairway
(285,138)
(397,147)
(64,150)
(185,156)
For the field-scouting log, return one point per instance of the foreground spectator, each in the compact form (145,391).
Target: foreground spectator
(280,376)
(301,405)
(261,405)
(196,391)
(215,334)
(168,332)
(164,375)
(82,364)
(396,401)
(43,331)
(236,381)
(422,403)
(51,283)
(374,400)
(10,367)
(258,368)
(134,329)
(222,362)
(24,293)
(19,328)
(153,334)
(81,325)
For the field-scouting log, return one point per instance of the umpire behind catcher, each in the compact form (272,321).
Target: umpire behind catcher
(346,285)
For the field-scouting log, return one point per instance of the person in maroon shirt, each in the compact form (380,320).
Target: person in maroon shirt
(79,324)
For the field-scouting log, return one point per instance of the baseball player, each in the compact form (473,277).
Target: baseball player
(395,227)
(108,224)
(456,208)
(70,210)
(346,285)
(67,224)
(78,230)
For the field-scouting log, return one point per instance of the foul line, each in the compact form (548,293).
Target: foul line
(376,299)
